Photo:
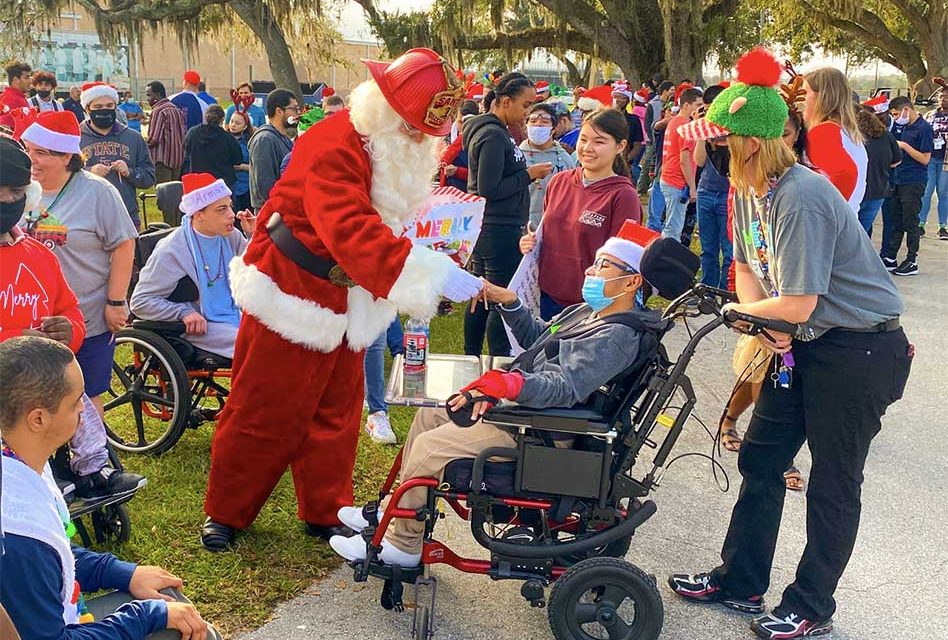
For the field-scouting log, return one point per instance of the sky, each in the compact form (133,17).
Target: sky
(352,25)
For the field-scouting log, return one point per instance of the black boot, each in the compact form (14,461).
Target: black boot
(325,532)
(217,537)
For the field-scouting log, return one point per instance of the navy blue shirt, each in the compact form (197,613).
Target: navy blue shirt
(921,137)
(32,582)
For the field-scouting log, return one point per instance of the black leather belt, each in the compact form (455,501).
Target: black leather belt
(883,327)
(302,257)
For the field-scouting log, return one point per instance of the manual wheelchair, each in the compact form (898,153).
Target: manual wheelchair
(558,516)
(161,383)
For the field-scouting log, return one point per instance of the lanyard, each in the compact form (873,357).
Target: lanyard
(759,236)
(33,220)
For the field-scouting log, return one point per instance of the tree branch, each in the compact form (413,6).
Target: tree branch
(529,39)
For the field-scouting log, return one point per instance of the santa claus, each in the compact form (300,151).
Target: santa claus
(325,273)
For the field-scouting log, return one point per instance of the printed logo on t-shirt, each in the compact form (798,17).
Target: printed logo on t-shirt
(23,302)
(44,227)
(592,218)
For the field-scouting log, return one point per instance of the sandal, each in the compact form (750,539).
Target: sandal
(794,479)
(730,438)
(217,537)
(462,417)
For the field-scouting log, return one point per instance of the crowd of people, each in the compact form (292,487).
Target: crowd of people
(319,287)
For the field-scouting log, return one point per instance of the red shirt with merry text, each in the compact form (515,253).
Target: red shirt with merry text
(671,154)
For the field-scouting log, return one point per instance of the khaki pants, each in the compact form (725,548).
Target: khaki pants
(434,441)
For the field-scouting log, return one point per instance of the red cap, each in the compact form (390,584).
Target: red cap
(192,77)
(328,91)
(422,88)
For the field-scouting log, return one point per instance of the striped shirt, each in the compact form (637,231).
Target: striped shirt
(166,134)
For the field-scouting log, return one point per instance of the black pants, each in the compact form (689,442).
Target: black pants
(496,257)
(900,215)
(842,384)
(241,202)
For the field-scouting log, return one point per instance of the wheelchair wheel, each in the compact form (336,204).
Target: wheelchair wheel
(603,598)
(615,549)
(420,624)
(111,523)
(150,394)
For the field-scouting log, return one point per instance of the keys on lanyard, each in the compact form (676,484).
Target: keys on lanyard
(783,376)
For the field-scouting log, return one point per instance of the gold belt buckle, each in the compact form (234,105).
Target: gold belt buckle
(339,277)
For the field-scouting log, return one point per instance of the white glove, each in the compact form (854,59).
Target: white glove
(461,286)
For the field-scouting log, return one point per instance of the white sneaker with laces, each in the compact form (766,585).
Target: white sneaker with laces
(354,549)
(379,428)
(352,518)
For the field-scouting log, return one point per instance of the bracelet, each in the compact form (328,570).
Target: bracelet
(115,303)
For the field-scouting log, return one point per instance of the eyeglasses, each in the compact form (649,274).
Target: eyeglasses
(291,108)
(602,263)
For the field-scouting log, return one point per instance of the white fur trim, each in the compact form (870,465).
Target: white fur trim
(98,91)
(34,194)
(417,291)
(368,318)
(588,104)
(200,198)
(625,250)
(300,321)
(52,140)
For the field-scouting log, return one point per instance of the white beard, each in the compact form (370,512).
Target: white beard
(402,170)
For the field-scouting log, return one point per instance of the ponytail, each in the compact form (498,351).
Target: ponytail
(509,85)
(489,98)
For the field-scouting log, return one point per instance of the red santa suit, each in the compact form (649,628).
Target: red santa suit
(298,385)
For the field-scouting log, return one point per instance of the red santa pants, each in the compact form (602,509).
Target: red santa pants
(290,407)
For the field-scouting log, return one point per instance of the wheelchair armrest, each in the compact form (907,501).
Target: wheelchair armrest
(158,326)
(576,420)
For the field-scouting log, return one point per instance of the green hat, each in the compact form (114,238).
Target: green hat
(749,107)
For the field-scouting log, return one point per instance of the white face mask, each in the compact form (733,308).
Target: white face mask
(902,120)
(539,135)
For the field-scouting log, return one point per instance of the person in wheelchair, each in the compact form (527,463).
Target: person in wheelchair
(199,253)
(569,358)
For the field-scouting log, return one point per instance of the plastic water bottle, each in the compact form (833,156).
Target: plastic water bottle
(416,339)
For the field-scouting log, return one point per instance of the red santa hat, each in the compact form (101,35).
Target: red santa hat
(94,90)
(200,190)
(629,244)
(641,96)
(879,104)
(422,88)
(595,98)
(191,77)
(54,130)
(328,91)
(475,92)
(622,89)
(543,87)
(681,89)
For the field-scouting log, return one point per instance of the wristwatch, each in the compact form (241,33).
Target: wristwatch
(115,303)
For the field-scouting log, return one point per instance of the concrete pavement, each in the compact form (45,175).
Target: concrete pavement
(892,589)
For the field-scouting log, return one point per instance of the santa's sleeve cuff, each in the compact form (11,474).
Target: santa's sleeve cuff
(419,287)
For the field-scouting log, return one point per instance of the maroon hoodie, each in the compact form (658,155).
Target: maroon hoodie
(577,220)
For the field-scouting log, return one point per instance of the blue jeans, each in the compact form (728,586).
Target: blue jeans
(674,209)
(656,207)
(712,232)
(937,183)
(375,365)
(868,211)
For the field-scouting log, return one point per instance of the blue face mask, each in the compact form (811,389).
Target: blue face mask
(594,292)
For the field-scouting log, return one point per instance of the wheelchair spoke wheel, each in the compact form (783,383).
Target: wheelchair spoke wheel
(149,396)
(605,599)
(112,524)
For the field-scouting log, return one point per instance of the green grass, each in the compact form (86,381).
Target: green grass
(274,560)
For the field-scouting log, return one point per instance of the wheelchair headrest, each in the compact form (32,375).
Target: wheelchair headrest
(168,197)
(669,266)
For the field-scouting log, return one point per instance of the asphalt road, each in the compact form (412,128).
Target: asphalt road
(892,589)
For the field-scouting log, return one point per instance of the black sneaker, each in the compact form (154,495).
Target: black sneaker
(907,268)
(943,233)
(108,482)
(702,587)
(891,264)
(781,624)
(921,231)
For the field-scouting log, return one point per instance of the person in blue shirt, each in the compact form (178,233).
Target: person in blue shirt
(900,211)
(188,100)
(43,575)
(204,95)
(133,112)
(258,117)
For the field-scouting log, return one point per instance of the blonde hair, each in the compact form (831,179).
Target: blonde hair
(752,169)
(834,101)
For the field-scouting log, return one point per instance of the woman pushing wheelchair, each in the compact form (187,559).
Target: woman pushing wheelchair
(569,358)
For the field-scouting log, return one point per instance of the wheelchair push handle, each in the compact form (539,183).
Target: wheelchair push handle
(759,324)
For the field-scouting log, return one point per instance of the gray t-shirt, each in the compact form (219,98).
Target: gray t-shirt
(815,247)
(95,221)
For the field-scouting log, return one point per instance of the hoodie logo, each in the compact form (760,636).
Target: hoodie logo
(518,154)
(592,218)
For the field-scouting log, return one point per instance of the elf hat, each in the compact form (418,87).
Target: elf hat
(94,90)
(54,130)
(879,104)
(595,98)
(749,107)
(629,244)
(200,190)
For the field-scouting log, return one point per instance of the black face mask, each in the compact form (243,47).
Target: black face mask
(720,158)
(103,118)
(43,94)
(10,214)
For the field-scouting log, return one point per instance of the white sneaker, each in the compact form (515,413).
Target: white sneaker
(379,428)
(354,549)
(352,518)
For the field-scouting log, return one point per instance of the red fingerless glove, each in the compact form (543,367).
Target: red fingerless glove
(499,384)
